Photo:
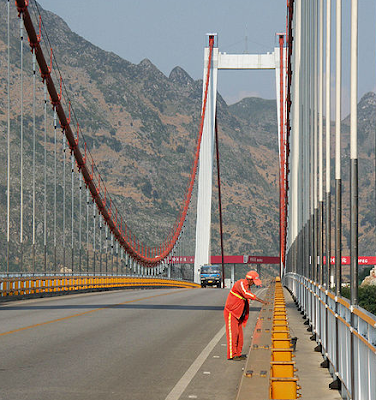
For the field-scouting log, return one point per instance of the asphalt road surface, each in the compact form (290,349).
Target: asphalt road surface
(165,344)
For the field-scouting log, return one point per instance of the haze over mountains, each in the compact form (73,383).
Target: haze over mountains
(141,127)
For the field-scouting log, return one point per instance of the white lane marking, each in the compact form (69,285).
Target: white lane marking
(185,380)
(260,292)
(263,290)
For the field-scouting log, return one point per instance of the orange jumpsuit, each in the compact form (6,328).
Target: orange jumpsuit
(236,314)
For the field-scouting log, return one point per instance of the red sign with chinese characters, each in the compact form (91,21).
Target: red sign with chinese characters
(362,260)
(245,260)
(228,260)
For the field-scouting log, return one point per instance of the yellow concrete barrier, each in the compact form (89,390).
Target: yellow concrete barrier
(283,369)
(282,355)
(281,327)
(283,382)
(280,334)
(284,388)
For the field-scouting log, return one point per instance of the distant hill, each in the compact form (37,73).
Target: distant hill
(367,180)
(141,127)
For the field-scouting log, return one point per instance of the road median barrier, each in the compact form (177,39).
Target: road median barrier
(28,286)
(270,371)
(283,381)
(255,380)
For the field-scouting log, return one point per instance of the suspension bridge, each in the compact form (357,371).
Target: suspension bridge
(63,232)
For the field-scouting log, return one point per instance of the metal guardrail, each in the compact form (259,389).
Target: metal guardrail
(346,334)
(22,286)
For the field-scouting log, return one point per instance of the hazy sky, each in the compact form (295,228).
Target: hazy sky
(172,32)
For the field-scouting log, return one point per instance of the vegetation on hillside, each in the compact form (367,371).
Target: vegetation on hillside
(366,297)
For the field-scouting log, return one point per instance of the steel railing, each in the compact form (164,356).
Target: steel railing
(346,334)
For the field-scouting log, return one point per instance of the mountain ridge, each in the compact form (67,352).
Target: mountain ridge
(141,127)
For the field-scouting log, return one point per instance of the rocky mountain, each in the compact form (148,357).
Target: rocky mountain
(141,127)
(367,180)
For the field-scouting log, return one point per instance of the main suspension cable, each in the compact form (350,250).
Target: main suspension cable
(33,167)
(93,183)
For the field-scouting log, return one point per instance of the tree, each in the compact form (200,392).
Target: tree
(367,297)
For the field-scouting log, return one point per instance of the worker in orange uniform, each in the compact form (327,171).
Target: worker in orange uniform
(236,313)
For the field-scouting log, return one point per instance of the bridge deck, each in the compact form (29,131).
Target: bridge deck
(313,380)
(168,343)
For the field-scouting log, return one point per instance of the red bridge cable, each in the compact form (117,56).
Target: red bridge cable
(131,247)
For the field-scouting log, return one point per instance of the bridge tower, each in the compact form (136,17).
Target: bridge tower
(205,170)
(205,174)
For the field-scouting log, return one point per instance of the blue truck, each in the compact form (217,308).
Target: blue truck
(211,275)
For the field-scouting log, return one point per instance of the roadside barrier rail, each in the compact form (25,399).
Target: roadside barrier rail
(283,382)
(23,286)
(254,384)
(346,336)
(270,369)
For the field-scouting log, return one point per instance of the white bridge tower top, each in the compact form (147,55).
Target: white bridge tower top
(220,61)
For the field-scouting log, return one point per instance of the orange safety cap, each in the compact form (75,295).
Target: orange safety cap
(254,276)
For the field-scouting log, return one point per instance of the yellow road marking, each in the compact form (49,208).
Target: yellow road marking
(84,313)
